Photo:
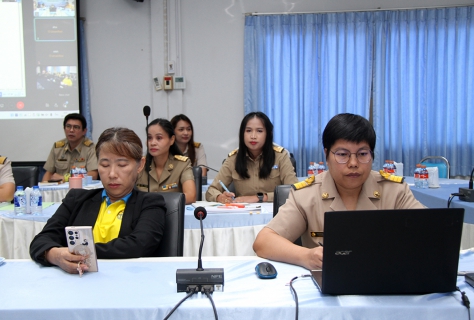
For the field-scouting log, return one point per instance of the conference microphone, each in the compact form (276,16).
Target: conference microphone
(203,279)
(146,113)
(467,194)
(200,213)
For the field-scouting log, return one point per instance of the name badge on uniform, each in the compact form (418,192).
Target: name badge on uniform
(317,234)
(62,159)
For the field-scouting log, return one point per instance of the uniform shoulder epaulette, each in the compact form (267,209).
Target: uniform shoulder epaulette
(59,144)
(87,142)
(3,159)
(232,152)
(278,149)
(391,177)
(303,184)
(197,144)
(181,158)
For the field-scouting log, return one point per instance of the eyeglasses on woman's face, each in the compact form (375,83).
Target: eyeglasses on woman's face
(343,156)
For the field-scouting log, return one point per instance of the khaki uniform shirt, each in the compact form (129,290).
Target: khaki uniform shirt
(200,154)
(6,173)
(282,172)
(177,170)
(61,158)
(303,213)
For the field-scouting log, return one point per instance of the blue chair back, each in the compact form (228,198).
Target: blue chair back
(437,161)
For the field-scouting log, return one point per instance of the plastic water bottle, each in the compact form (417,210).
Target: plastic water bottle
(386,166)
(424,177)
(36,201)
(82,172)
(311,169)
(321,167)
(73,171)
(393,167)
(20,201)
(416,175)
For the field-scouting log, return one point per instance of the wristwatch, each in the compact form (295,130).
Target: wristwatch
(260,197)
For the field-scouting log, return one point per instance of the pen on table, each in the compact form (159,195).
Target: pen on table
(225,188)
(319,242)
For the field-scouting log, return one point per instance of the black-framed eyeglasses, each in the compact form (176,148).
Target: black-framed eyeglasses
(342,155)
(75,127)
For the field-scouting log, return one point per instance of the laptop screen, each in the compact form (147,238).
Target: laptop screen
(409,251)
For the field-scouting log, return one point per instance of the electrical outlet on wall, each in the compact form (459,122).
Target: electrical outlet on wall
(171,67)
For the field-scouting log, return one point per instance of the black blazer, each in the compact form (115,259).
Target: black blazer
(140,234)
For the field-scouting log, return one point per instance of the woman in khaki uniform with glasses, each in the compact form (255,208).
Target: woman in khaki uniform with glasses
(349,184)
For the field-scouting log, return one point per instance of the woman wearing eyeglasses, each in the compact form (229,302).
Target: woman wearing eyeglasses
(349,184)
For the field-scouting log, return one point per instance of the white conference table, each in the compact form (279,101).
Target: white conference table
(438,198)
(146,289)
(228,233)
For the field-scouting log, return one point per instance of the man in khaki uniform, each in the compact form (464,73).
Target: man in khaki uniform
(75,150)
(7,182)
(282,172)
(178,169)
(350,184)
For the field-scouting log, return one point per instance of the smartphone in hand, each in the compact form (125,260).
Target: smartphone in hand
(80,241)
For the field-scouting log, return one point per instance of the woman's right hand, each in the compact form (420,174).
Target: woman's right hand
(67,261)
(314,259)
(226,197)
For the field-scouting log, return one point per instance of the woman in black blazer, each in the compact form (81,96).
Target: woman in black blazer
(119,153)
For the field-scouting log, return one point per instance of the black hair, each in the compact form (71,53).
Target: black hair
(191,150)
(168,128)
(75,116)
(349,127)
(268,154)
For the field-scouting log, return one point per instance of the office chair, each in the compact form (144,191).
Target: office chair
(197,171)
(437,161)
(173,237)
(279,198)
(293,161)
(26,176)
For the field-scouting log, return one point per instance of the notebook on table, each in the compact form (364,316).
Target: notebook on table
(410,251)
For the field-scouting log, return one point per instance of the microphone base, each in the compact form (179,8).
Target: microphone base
(468,194)
(212,277)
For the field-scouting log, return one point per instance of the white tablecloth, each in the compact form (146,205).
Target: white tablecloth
(226,234)
(146,289)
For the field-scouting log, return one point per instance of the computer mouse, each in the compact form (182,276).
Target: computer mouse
(266,270)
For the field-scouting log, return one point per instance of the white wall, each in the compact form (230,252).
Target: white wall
(126,49)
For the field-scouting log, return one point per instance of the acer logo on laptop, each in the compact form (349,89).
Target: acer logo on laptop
(343,252)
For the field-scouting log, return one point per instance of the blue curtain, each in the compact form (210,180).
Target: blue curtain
(409,72)
(84,79)
(301,70)
(423,86)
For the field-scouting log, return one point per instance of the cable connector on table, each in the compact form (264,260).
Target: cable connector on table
(465,301)
(452,195)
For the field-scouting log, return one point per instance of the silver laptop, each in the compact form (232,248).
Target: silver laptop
(411,251)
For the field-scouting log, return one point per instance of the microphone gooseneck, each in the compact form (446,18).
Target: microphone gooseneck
(470,181)
(200,213)
(201,165)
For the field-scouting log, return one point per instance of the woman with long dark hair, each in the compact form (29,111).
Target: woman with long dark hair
(166,169)
(184,131)
(256,167)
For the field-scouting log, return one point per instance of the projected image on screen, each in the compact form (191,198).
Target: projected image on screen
(39,69)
